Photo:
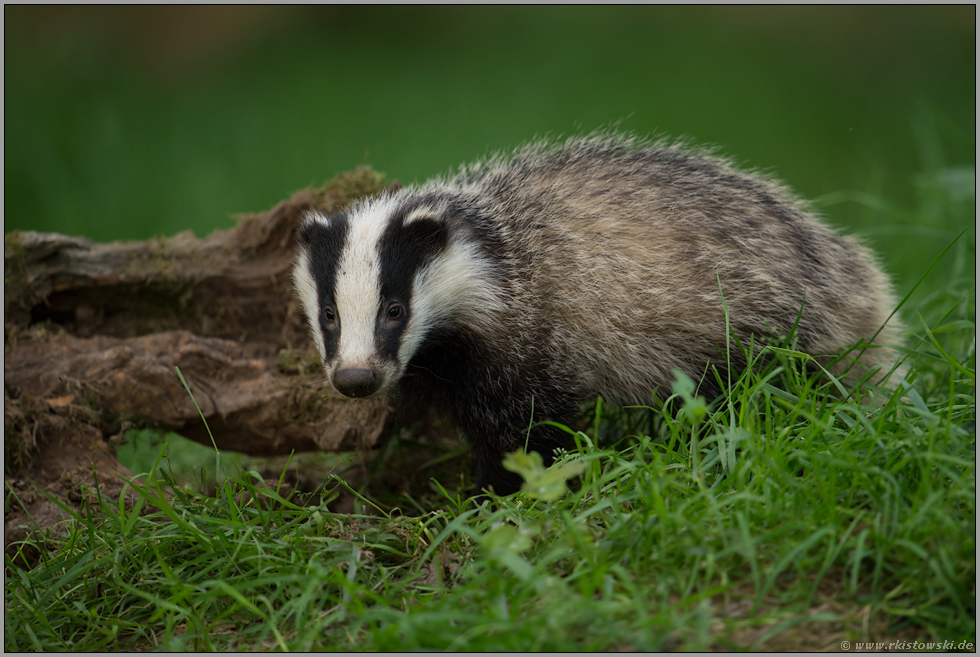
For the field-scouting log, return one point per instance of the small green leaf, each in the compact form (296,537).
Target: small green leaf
(506,538)
(694,408)
(541,483)
(530,466)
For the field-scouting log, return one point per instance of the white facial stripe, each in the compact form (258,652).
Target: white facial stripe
(358,288)
(455,284)
(306,291)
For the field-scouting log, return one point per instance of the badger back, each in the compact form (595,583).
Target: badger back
(376,280)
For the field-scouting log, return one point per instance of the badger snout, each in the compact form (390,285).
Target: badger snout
(354,382)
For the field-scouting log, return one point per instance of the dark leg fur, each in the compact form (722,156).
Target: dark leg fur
(490,472)
(450,374)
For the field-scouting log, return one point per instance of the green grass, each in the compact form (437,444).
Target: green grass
(785,516)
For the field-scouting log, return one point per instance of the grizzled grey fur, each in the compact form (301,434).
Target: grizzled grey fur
(560,272)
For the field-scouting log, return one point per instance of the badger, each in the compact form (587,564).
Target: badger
(528,283)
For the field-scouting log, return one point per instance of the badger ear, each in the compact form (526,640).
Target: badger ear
(434,213)
(426,226)
(306,229)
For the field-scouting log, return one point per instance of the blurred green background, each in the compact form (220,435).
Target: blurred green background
(130,122)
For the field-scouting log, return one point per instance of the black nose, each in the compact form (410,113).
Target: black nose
(355,382)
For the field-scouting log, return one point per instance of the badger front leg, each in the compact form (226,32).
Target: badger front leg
(489,450)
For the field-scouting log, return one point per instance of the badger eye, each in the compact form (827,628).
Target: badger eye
(395,311)
(329,314)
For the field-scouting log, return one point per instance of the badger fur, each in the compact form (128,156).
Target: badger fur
(536,281)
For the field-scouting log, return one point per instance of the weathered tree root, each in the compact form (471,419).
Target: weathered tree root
(93,332)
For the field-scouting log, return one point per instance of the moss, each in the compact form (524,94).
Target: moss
(349,186)
(15,284)
(17,294)
(19,441)
(161,261)
(306,405)
(298,362)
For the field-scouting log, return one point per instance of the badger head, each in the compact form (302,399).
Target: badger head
(375,281)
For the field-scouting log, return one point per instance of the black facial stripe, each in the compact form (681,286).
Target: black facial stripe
(403,251)
(324,244)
